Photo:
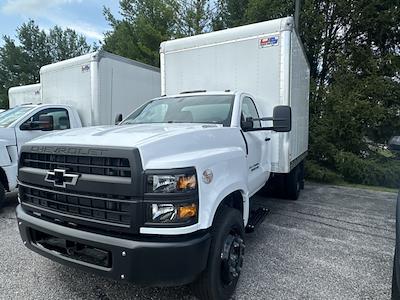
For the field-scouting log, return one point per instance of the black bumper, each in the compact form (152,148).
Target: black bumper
(160,263)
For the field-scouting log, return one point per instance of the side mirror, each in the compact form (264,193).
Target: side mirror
(45,123)
(247,125)
(26,126)
(282,118)
(118,119)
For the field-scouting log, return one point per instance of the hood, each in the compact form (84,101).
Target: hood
(120,136)
(160,145)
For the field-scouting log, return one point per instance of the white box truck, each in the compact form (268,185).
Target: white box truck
(165,197)
(24,94)
(88,90)
(100,85)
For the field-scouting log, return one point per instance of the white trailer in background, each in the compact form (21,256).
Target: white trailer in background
(91,89)
(24,94)
(100,85)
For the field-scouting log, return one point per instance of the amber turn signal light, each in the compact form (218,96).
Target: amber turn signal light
(186,183)
(189,211)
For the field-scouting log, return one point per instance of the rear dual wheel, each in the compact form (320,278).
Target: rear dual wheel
(294,182)
(225,259)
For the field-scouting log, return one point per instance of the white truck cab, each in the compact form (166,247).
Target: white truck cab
(23,123)
(164,198)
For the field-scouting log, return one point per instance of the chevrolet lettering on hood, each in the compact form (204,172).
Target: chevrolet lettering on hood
(68,150)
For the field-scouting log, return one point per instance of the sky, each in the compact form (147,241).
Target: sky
(84,16)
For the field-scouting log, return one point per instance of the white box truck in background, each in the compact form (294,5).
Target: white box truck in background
(165,197)
(24,94)
(99,85)
(84,91)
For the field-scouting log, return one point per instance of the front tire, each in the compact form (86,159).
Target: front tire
(225,260)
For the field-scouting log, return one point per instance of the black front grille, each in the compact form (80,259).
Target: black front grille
(98,207)
(108,166)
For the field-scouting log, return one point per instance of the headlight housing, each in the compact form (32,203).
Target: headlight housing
(164,213)
(181,182)
(172,197)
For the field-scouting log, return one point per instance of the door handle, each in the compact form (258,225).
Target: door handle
(267,139)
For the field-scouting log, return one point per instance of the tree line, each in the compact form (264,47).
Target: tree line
(352,46)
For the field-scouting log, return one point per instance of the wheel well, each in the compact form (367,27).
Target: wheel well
(234,200)
(3,179)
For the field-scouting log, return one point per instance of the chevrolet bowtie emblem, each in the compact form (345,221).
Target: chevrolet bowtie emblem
(60,178)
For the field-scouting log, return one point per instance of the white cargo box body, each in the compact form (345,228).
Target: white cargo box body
(99,85)
(24,94)
(265,60)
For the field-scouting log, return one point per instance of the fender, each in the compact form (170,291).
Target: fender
(229,175)
(229,168)
(236,186)
(5,158)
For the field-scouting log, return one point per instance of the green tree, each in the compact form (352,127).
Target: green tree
(195,17)
(147,23)
(21,61)
(144,25)
(66,44)
(229,13)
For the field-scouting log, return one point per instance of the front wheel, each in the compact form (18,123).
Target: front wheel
(225,260)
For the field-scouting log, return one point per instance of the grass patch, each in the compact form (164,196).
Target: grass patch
(368,187)
(357,173)
(357,186)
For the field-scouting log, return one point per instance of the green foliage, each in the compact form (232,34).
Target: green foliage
(230,13)
(147,23)
(195,17)
(144,26)
(21,61)
(318,173)
(377,172)
(263,10)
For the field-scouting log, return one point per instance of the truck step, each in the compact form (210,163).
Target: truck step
(256,218)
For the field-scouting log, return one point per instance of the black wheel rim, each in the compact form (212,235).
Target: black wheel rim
(231,257)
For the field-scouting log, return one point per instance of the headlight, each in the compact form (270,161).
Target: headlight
(176,183)
(172,197)
(173,213)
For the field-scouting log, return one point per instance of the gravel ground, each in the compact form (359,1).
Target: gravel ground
(333,243)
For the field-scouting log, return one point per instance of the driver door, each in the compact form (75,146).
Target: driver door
(58,116)
(257,147)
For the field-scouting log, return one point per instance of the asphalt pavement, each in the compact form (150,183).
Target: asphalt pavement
(333,243)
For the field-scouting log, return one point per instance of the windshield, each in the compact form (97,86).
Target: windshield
(12,114)
(216,109)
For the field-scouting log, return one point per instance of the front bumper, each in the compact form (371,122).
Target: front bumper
(151,262)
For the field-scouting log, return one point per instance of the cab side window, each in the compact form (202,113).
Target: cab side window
(59,117)
(249,110)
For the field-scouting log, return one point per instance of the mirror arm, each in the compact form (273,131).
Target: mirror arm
(260,129)
(263,119)
(268,119)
